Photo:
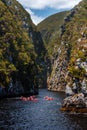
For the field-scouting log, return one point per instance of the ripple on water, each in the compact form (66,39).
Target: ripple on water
(41,115)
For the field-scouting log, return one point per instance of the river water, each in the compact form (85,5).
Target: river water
(16,114)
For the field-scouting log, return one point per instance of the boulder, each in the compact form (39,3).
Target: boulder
(75,103)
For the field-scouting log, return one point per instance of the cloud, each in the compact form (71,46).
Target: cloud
(43,4)
(55,4)
(36,19)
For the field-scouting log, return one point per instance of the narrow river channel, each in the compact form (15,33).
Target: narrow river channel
(16,114)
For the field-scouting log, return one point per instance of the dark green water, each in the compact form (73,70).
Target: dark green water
(42,115)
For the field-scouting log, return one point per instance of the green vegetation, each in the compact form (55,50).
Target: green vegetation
(76,36)
(50,25)
(50,31)
(19,55)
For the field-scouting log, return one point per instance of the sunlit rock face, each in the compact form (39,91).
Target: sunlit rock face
(70,64)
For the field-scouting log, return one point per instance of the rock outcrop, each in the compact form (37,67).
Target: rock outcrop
(76,103)
(57,78)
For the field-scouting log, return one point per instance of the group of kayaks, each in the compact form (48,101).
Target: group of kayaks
(31,98)
(34,99)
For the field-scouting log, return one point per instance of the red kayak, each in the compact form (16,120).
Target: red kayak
(31,98)
(48,98)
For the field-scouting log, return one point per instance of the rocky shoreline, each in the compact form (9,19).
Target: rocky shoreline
(76,103)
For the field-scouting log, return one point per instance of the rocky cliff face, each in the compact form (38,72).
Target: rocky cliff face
(70,63)
(21,51)
(50,32)
(56,81)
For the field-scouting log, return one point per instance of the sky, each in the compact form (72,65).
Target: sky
(40,9)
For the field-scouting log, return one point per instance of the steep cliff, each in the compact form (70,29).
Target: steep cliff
(70,64)
(34,36)
(21,51)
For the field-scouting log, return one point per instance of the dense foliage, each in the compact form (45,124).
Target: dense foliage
(75,36)
(19,55)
